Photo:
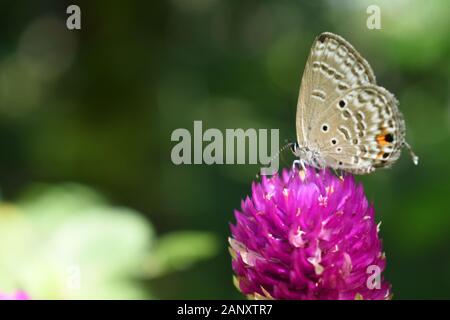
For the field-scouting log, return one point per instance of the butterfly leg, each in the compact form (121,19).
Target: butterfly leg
(299,162)
(339,173)
(302,170)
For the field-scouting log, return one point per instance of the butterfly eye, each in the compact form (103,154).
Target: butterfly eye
(294,147)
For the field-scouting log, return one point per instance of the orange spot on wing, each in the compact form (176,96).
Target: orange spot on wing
(381,138)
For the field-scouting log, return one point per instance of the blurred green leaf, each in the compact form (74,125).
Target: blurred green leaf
(65,243)
(179,250)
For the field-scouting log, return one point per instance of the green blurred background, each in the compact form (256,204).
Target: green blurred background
(85,122)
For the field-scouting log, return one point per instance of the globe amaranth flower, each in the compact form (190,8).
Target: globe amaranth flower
(18,295)
(307,235)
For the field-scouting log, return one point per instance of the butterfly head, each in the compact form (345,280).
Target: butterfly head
(307,154)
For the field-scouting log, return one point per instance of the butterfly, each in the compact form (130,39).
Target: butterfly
(344,119)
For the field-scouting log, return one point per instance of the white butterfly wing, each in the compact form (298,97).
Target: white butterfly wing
(333,67)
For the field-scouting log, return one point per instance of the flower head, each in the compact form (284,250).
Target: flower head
(18,295)
(307,235)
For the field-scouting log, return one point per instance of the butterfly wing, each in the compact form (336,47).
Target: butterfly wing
(365,130)
(333,67)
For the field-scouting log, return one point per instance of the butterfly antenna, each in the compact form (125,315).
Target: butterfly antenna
(287,145)
(414,157)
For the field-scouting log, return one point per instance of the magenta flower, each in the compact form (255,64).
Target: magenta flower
(18,295)
(308,236)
